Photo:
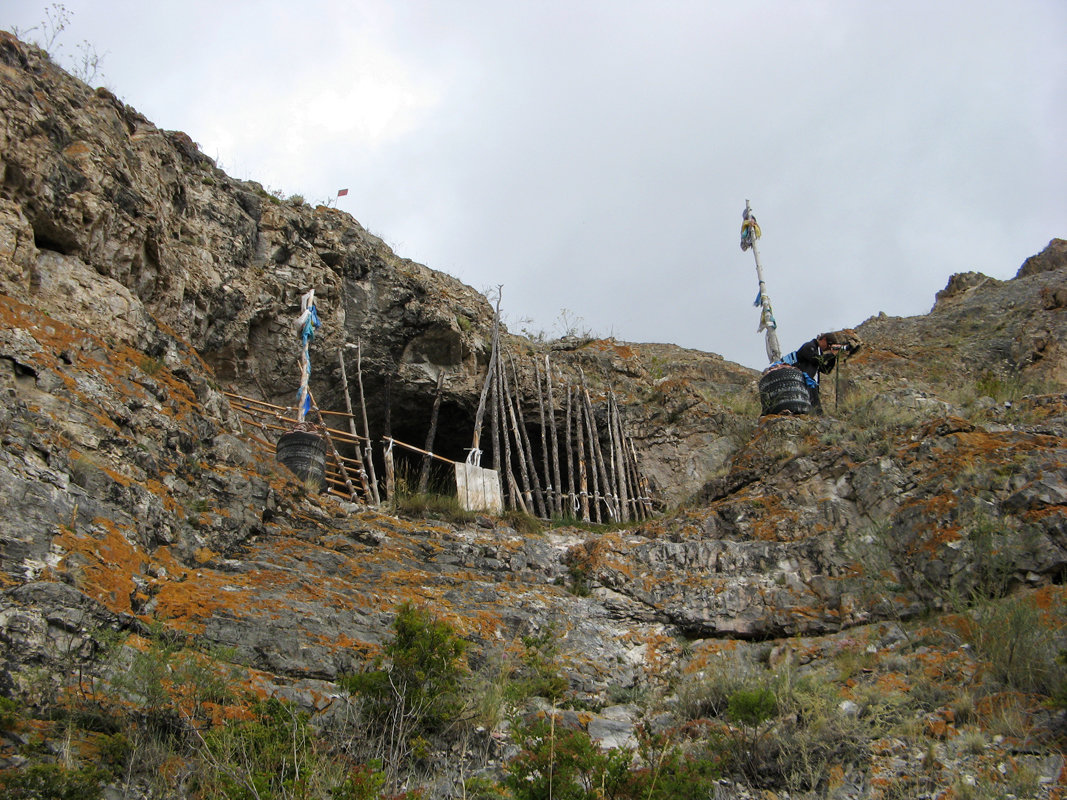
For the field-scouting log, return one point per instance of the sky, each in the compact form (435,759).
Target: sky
(593,157)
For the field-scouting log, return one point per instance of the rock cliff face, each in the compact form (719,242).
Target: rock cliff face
(140,283)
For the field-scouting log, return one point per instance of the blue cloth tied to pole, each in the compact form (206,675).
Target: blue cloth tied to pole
(307,333)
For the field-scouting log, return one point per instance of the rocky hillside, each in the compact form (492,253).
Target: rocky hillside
(868,604)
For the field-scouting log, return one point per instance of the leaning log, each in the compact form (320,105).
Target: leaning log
(558,502)
(424,473)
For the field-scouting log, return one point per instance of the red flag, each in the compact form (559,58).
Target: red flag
(342,192)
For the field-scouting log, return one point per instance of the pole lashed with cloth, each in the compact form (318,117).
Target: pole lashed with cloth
(302,449)
(306,324)
(750,232)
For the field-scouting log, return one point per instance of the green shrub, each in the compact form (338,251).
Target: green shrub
(565,764)
(750,710)
(522,522)
(707,694)
(364,782)
(1020,646)
(115,751)
(812,732)
(168,685)
(478,787)
(150,365)
(269,756)
(418,695)
(9,713)
(52,782)
(539,674)
(751,707)
(434,506)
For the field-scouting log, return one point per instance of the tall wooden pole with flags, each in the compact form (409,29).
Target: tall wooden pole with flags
(750,232)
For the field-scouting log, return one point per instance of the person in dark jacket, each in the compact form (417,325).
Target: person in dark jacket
(819,357)
(814,358)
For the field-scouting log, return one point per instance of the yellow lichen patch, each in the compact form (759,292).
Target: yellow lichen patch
(661,651)
(890,683)
(164,494)
(773,521)
(953,667)
(1051,598)
(187,603)
(103,562)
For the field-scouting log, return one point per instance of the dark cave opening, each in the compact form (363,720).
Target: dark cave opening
(406,410)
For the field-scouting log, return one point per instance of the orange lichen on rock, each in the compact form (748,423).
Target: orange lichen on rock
(188,603)
(104,561)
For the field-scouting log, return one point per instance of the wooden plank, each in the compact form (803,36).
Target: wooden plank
(415,449)
(342,435)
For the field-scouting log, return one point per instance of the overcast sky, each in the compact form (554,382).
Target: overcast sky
(595,156)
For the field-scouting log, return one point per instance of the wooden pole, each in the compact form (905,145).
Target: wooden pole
(352,425)
(333,450)
(774,350)
(619,456)
(642,482)
(524,474)
(390,475)
(535,481)
(476,441)
(419,450)
(550,502)
(513,487)
(594,461)
(583,483)
(424,473)
(557,504)
(571,509)
(288,427)
(263,405)
(637,495)
(633,478)
(369,457)
(494,421)
(613,478)
(594,436)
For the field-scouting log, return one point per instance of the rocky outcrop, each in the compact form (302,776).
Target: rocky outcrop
(1052,258)
(1011,331)
(142,224)
(113,223)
